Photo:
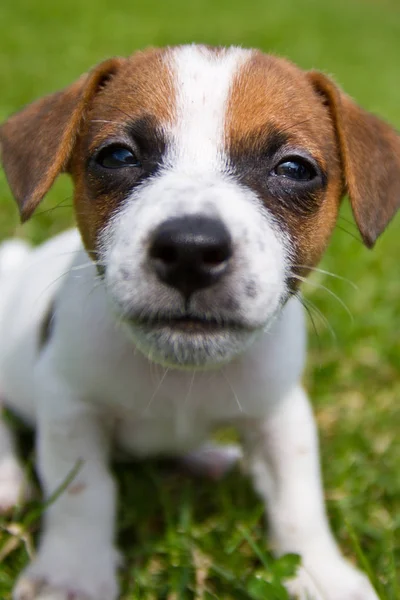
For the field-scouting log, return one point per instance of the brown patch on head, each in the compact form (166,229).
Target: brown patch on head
(271,92)
(274,113)
(131,111)
(59,132)
(277,110)
(36,143)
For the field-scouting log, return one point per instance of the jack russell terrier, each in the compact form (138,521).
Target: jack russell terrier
(207,184)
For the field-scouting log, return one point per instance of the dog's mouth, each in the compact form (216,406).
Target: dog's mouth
(190,324)
(189,340)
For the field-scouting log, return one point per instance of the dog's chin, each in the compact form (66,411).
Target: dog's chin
(187,343)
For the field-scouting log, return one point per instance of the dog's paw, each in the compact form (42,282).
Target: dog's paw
(85,578)
(29,589)
(338,581)
(13,485)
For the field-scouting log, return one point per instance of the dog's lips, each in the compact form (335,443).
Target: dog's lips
(187,341)
(190,325)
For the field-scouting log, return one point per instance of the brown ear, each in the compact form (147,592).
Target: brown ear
(36,143)
(370,155)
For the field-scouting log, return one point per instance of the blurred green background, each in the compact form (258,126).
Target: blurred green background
(182,542)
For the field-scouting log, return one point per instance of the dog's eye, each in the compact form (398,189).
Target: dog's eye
(117,157)
(295,168)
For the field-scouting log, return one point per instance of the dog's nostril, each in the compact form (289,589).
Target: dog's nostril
(216,256)
(165,252)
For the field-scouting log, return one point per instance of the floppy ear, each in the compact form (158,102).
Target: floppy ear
(37,142)
(370,155)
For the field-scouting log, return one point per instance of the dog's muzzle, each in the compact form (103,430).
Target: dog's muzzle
(190,254)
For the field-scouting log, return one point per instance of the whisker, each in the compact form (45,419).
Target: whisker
(329,273)
(355,237)
(43,291)
(308,310)
(190,389)
(349,221)
(92,263)
(80,267)
(156,390)
(321,315)
(323,287)
(233,391)
(65,273)
(94,288)
(181,421)
(77,251)
(59,205)
(155,368)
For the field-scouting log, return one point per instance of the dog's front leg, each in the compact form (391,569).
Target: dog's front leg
(282,455)
(76,556)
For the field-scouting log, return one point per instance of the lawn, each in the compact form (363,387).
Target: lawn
(183,540)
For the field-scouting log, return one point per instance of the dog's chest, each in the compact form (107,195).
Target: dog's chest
(147,436)
(174,414)
(159,410)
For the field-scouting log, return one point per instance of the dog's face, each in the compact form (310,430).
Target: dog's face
(212,192)
(207,182)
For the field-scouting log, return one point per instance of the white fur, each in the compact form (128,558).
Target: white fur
(203,82)
(90,386)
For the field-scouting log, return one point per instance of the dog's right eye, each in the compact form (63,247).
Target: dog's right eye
(117,157)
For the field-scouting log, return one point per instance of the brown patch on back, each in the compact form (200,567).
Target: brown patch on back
(269,98)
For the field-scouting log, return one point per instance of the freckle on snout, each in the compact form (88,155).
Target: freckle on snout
(251,289)
(231,304)
(125,274)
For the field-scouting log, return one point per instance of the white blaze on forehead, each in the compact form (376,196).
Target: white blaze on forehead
(203,78)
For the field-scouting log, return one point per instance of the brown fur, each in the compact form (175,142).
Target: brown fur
(142,88)
(55,134)
(359,152)
(370,155)
(270,93)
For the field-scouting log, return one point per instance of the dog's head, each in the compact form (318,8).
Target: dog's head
(207,183)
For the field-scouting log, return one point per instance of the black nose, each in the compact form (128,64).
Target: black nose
(190,253)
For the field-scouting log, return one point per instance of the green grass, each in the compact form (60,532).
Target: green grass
(183,540)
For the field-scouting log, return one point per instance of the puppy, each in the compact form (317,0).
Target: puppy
(207,183)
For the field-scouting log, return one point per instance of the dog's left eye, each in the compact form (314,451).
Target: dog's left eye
(117,157)
(295,168)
